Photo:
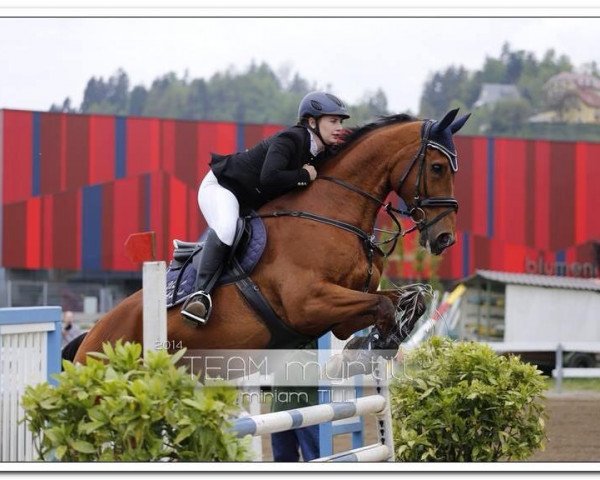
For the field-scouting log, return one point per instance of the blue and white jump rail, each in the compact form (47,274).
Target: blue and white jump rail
(30,343)
(304,417)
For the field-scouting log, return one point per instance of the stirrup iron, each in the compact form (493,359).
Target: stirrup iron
(204,300)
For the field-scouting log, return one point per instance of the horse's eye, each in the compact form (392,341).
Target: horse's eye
(437,168)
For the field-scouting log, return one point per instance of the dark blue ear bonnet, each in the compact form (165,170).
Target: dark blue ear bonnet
(441,132)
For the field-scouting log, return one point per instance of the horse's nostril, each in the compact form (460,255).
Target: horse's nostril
(445,240)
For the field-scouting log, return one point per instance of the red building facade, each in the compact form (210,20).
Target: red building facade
(75,186)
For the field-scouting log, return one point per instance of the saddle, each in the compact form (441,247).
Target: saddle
(247,249)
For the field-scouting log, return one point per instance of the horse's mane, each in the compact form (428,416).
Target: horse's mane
(358,132)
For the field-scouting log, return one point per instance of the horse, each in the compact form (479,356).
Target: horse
(321,267)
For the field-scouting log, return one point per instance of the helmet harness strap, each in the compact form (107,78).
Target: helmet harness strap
(317,131)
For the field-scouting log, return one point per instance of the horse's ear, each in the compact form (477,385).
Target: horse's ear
(458,124)
(447,120)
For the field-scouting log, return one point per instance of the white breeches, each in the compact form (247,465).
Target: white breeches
(220,208)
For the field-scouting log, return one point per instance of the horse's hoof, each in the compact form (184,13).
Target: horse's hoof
(334,368)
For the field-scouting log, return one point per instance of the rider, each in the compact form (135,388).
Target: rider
(249,179)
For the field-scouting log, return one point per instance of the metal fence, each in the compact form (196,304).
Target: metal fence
(559,348)
(78,297)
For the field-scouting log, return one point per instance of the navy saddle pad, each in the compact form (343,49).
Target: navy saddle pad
(248,250)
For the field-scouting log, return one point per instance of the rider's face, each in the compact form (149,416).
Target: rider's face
(330,127)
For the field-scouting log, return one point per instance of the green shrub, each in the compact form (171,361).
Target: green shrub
(125,408)
(461,402)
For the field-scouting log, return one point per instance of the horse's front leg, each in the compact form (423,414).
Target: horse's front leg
(409,305)
(411,302)
(392,293)
(349,310)
(408,297)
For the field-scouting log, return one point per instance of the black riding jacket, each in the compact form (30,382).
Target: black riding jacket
(269,169)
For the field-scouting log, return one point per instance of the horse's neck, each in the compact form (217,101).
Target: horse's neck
(367,174)
(365,166)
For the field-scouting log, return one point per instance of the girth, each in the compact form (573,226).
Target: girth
(282,336)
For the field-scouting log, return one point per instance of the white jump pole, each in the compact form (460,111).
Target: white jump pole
(154,279)
(384,418)
(141,247)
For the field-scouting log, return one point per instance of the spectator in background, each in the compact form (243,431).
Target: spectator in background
(70,331)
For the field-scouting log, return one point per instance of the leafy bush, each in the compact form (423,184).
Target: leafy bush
(460,401)
(124,408)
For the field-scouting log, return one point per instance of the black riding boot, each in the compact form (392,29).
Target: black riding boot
(199,305)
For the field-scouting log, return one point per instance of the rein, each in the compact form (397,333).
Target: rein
(368,240)
(415,211)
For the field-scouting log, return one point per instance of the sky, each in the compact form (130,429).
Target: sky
(45,60)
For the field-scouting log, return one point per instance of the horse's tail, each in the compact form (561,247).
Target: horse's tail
(70,350)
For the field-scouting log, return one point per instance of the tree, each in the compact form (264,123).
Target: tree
(441,90)
(255,95)
(508,115)
(198,100)
(64,108)
(110,97)
(137,100)
(94,94)
(371,106)
(457,87)
(118,92)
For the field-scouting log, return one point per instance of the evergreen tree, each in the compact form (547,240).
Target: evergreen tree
(137,100)
(256,95)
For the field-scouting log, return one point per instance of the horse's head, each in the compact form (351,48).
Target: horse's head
(416,159)
(424,179)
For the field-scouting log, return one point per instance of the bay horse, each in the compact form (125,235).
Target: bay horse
(318,277)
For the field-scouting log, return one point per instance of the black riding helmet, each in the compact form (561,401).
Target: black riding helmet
(317,104)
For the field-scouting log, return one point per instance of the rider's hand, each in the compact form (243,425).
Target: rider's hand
(311,171)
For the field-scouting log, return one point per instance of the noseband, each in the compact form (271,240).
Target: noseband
(420,201)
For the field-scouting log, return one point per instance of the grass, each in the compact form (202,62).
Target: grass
(575,384)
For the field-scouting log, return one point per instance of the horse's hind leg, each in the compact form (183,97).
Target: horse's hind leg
(70,349)
(123,322)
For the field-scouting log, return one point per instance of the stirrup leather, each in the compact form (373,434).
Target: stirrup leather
(205,299)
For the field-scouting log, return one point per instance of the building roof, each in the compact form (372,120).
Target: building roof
(494,92)
(544,117)
(590,97)
(581,80)
(549,281)
(587,87)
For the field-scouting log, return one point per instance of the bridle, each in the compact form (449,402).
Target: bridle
(420,201)
(425,201)
(415,209)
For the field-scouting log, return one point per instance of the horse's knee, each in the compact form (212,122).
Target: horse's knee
(342,332)
(386,314)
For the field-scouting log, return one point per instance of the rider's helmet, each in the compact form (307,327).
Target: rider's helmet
(317,104)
